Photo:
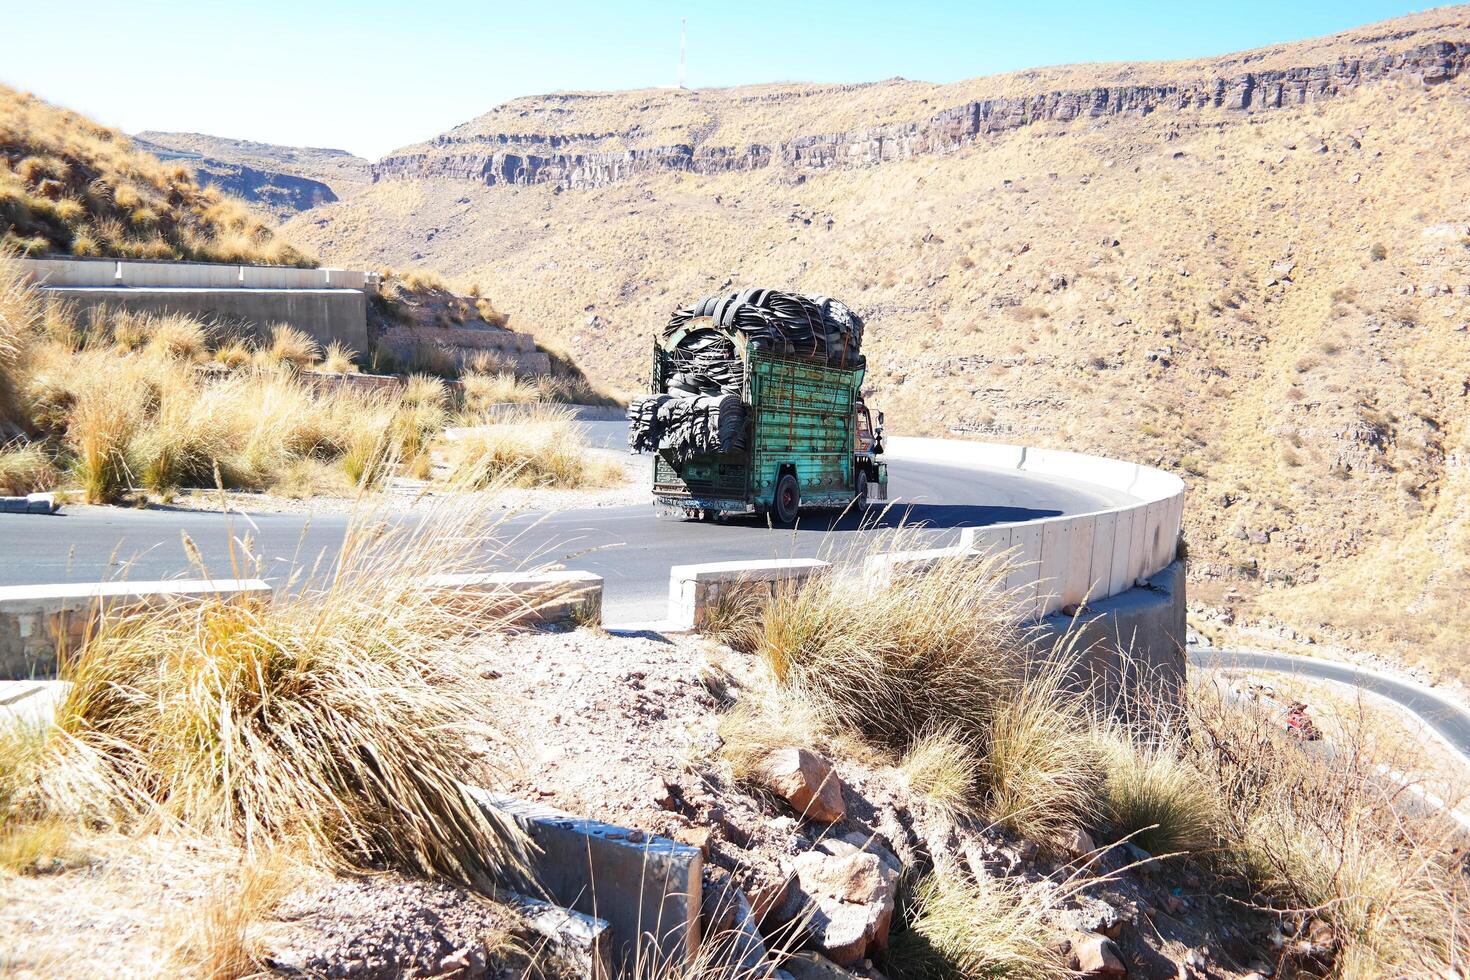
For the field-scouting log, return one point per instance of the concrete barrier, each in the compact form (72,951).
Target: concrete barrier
(137,274)
(38,622)
(535,598)
(647,888)
(697,591)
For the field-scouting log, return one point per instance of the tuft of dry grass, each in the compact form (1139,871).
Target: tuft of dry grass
(1153,795)
(542,448)
(483,390)
(217,939)
(964,928)
(290,347)
(942,767)
(336,719)
(339,358)
(25,467)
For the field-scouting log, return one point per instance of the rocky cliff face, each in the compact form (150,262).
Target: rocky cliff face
(533,159)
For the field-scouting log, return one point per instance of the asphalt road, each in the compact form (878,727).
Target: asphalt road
(631,546)
(1447,718)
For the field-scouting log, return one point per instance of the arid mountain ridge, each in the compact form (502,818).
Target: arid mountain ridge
(495,158)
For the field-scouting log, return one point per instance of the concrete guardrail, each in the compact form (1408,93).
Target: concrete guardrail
(40,622)
(93,273)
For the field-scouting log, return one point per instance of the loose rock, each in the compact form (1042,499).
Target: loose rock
(806,781)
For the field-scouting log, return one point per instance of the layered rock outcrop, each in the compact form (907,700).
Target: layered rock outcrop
(552,159)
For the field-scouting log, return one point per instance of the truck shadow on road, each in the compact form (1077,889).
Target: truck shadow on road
(935,516)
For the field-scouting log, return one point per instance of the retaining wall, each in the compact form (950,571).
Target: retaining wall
(196,275)
(1061,560)
(1111,576)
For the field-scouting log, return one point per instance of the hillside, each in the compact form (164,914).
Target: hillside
(279,180)
(1254,270)
(69,186)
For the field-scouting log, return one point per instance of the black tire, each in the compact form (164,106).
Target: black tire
(787,501)
(861,497)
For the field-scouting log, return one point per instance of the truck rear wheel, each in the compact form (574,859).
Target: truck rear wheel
(787,500)
(861,497)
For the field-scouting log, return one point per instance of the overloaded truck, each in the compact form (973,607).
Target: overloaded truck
(757,407)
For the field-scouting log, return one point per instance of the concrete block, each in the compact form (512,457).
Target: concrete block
(1025,575)
(879,570)
(41,503)
(1055,553)
(534,598)
(986,540)
(584,940)
(1137,550)
(1153,538)
(694,590)
(39,622)
(1118,577)
(1076,572)
(647,888)
(1100,567)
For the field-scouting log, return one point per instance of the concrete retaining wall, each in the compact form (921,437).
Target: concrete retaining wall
(328,315)
(38,622)
(1061,560)
(196,275)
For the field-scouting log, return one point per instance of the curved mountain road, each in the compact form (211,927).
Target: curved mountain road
(1448,719)
(630,546)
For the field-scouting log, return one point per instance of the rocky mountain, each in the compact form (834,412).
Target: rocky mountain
(1254,270)
(279,180)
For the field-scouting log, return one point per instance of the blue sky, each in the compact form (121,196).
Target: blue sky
(371,76)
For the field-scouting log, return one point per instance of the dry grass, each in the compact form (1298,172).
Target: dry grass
(942,767)
(120,402)
(339,358)
(336,720)
(217,939)
(542,448)
(483,390)
(25,468)
(964,928)
(1154,796)
(70,186)
(1330,836)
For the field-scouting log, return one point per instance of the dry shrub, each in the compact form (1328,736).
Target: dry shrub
(290,347)
(25,467)
(1328,834)
(912,661)
(337,718)
(483,390)
(542,448)
(19,314)
(942,767)
(339,358)
(964,928)
(1153,795)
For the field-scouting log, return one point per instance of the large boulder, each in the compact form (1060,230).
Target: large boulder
(848,892)
(806,781)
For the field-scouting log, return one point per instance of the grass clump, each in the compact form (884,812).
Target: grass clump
(334,720)
(964,928)
(25,467)
(542,448)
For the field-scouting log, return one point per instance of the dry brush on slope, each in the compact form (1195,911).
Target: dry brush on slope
(69,186)
(1271,301)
